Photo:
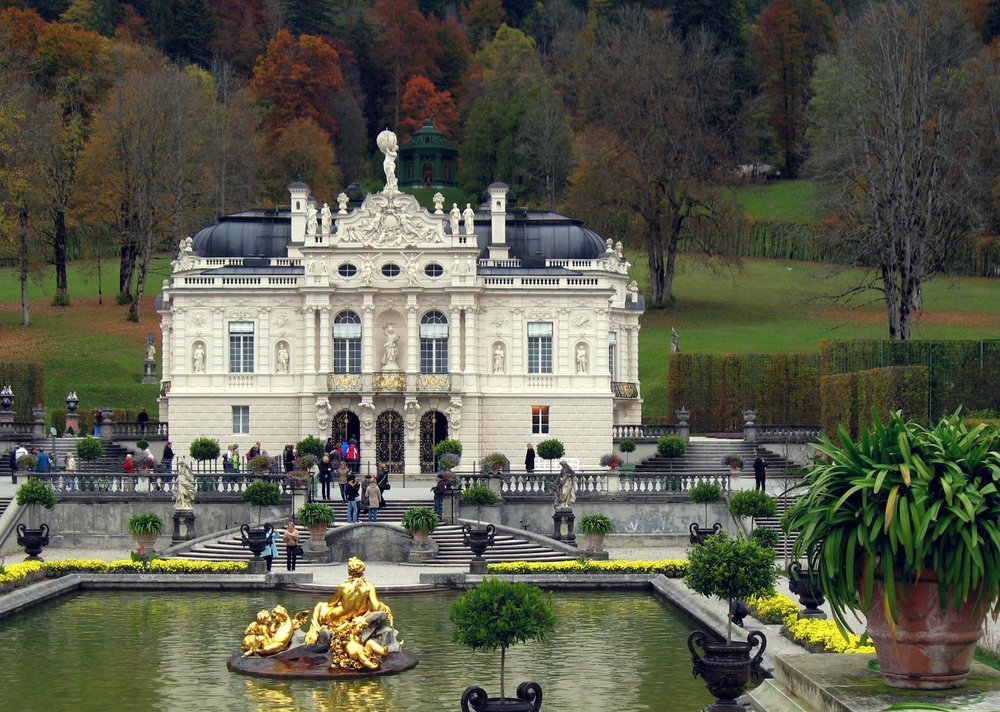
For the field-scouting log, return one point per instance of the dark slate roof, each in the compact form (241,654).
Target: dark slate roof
(532,236)
(251,233)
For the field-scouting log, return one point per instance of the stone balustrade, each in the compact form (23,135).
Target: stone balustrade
(595,484)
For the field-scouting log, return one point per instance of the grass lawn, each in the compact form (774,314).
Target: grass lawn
(791,200)
(769,306)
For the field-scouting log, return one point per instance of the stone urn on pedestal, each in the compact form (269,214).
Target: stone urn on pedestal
(595,527)
(317,518)
(33,537)
(479,537)
(420,523)
(805,585)
(145,528)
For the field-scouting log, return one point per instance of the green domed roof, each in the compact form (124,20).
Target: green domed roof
(428,137)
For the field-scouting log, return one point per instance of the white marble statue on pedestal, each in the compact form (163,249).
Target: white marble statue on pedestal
(388,145)
(391,348)
(327,219)
(311,220)
(470,219)
(456,217)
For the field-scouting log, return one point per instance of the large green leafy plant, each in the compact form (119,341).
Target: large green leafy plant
(499,614)
(262,494)
(904,500)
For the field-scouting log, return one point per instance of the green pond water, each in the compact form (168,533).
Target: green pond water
(143,650)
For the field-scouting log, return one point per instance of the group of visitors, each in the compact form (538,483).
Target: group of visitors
(45,465)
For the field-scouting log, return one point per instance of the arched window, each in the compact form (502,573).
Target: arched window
(434,343)
(347,343)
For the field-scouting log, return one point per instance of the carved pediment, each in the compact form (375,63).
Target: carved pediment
(390,220)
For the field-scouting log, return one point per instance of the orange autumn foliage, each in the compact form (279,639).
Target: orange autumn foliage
(422,101)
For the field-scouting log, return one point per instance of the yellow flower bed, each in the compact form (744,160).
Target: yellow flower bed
(771,609)
(669,568)
(22,574)
(823,636)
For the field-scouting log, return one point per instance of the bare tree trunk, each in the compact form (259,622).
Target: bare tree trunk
(60,241)
(23,260)
(140,282)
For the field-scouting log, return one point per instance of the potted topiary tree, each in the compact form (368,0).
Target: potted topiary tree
(145,528)
(494,464)
(420,523)
(310,445)
(33,494)
(705,493)
(595,527)
(751,504)
(260,494)
(903,523)
(670,447)
(479,538)
(88,450)
(626,447)
(550,450)
(729,569)
(317,518)
(496,615)
(205,450)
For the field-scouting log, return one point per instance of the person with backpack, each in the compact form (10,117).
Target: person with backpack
(351,490)
(353,456)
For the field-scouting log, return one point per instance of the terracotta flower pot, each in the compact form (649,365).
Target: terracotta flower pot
(933,647)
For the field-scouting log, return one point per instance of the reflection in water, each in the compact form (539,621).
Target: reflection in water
(610,651)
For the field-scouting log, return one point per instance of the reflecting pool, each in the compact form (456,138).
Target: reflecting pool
(148,650)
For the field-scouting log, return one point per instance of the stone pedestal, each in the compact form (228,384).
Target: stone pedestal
(256,566)
(73,423)
(149,372)
(563,521)
(183,525)
(449,506)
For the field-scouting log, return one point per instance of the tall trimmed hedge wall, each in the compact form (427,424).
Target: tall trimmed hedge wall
(960,373)
(850,398)
(28,383)
(782,388)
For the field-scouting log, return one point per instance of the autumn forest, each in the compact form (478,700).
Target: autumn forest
(126,126)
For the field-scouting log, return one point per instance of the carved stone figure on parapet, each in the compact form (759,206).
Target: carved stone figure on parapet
(342,201)
(387,144)
(327,219)
(456,217)
(470,219)
(311,220)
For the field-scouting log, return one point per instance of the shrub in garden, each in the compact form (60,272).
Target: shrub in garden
(671,446)
(310,445)
(204,449)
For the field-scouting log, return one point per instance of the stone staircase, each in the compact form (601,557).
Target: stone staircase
(451,552)
(4,503)
(110,461)
(704,455)
(785,542)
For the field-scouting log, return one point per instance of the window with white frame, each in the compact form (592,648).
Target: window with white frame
(241,419)
(613,354)
(347,343)
(539,419)
(241,347)
(539,347)
(434,343)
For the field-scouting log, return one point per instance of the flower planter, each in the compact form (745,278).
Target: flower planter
(700,534)
(254,539)
(726,667)
(933,647)
(317,537)
(529,699)
(33,540)
(479,539)
(146,541)
(421,539)
(595,542)
(805,585)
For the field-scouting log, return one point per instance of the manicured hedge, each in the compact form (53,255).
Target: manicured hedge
(716,388)
(671,568)
(28,572)
(850,398)
(27,380)
(960,372)
(838,397)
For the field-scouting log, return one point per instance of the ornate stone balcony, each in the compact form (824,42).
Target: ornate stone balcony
(343,382)
(434,382)
(625,389)
(391,381)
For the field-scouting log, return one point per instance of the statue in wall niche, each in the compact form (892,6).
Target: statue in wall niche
(391,348)
(311,219)
(327,219)
(498,359)
(283,357)
(581,358)
(367,271)
(470,219)
(199,358)
(456,217)
(387,144)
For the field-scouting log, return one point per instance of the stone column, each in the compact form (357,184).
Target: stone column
(309,314)
(412,335)
(215,361)
(368,337)
(38,422)
(563,521)
(455,340)
(470,341)
(633,354)
(325,337)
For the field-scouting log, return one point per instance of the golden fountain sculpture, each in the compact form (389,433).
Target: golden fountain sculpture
(350,634)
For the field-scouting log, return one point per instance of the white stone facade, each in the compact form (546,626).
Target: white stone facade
(257,349)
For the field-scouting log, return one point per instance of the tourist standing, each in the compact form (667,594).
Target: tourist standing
(129,466)
(351,494)
(168,457)
(529,459)
(98,422)
(759,473)
(13,465)
(353,456)
(254,451)
(382,480)
(374,497)
(143,420)
(325,475)
(291,539)
(330,445)
(44,463)
(271,550)
(288,458)
(343,472)
(441,489)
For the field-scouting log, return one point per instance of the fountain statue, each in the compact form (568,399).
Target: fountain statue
(351,634)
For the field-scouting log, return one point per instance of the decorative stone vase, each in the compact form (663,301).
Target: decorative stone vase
(700,534)
(933,646)
(317,537)
(33,540)
(254,538)
(805,585)
(421,539)
(146,541)
(528,699)
(726,667)
(595,542)
(479,539)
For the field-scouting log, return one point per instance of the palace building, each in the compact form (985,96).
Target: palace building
(380,320)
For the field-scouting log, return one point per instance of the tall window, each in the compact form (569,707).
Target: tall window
(241,419)
(613,354)
(434,343)
(241,347)
(539,419)
(347,343)
(539,347)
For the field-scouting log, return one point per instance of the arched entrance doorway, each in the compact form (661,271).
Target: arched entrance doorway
(389,445)
(433,429)
(346,426)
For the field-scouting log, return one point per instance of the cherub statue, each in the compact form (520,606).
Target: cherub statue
(271,631)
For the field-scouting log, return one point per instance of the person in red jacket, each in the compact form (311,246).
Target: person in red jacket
(353,457)
(129,465)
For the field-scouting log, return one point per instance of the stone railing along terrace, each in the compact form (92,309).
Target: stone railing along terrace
(595,484)
(118,483)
